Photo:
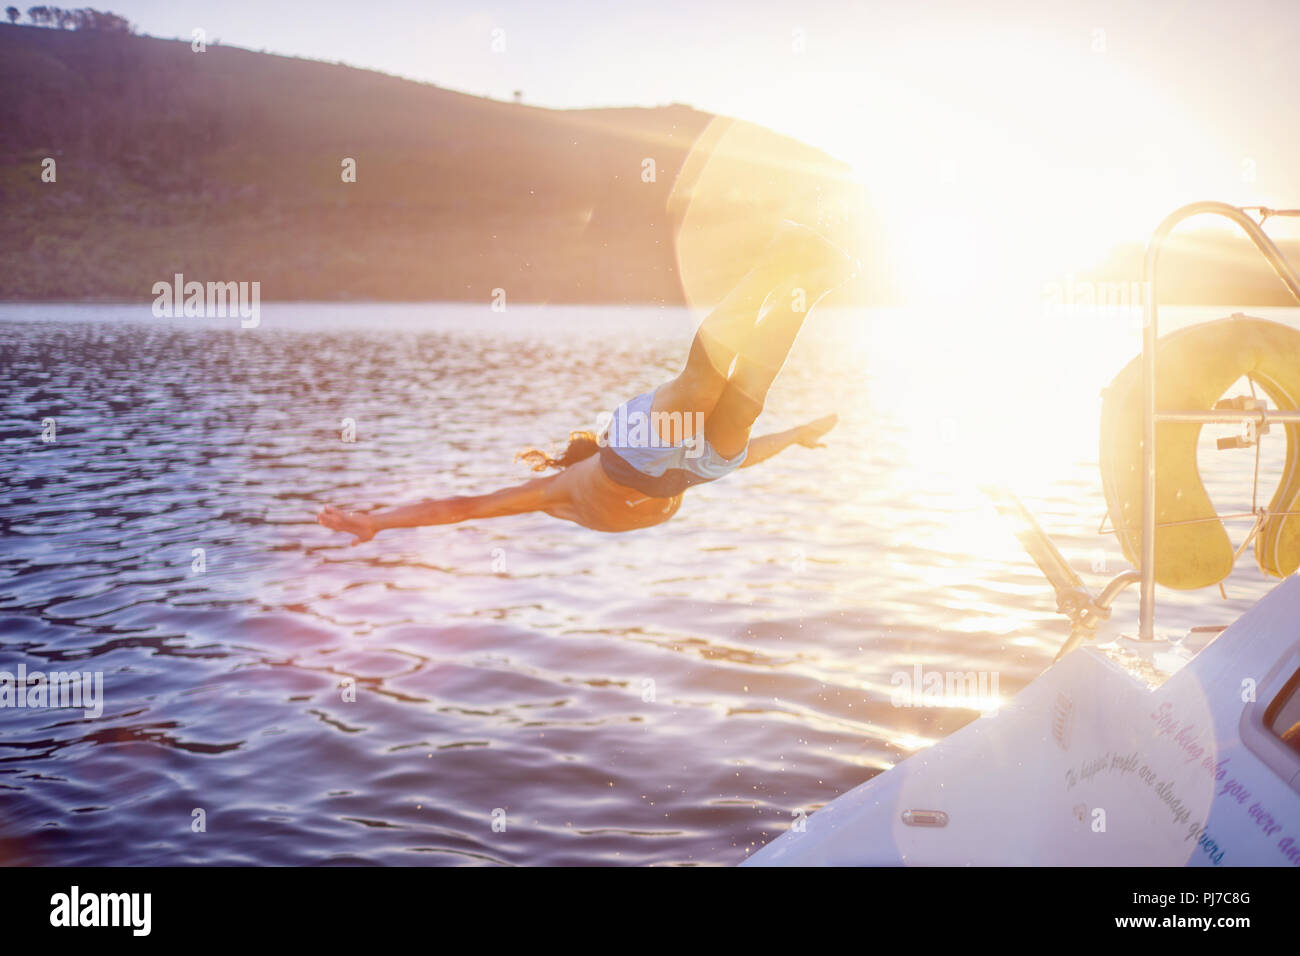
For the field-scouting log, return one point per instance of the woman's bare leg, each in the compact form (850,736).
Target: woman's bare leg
(764,353)
(725,332)
(717,342)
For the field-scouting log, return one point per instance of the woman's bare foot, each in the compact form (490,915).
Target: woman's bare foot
(810,435)
(352,522)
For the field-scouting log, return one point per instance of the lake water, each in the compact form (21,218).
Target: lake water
(669,696)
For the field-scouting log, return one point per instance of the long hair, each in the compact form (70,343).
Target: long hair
(582,445)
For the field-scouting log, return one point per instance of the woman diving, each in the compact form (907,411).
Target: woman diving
(692,429)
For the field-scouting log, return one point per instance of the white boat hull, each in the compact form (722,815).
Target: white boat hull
(1091,765)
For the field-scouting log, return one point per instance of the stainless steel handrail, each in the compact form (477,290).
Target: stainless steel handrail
(1086,620)
(1150,336)
(1228,416)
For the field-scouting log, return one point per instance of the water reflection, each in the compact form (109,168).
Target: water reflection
(669,696)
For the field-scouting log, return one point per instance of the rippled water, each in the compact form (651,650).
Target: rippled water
(666,696)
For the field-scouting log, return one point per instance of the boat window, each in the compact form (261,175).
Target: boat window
(1270,725)
(1283,714)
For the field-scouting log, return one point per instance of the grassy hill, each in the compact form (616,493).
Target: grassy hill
(226,165)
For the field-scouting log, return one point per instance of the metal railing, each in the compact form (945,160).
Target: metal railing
(1150,416)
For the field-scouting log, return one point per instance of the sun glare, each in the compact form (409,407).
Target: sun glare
(996,165)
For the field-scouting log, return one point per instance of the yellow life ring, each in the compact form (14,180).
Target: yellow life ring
(1194,367)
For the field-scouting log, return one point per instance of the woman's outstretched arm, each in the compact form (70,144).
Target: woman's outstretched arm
(518,499)
(809,435)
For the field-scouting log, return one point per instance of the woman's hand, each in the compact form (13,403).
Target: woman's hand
(353,522)
(810,435)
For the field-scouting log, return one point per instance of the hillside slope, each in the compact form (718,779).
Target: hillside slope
(226,165)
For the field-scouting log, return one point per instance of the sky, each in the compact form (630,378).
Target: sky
(1104,114)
